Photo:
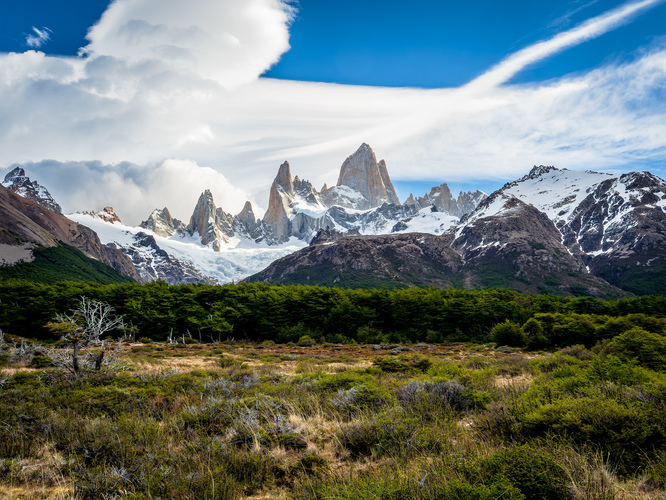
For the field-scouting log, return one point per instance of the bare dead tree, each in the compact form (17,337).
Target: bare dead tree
(83,327)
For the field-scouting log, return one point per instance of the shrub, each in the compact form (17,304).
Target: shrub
(403,363)
(306,341)
(41,361)
(646,347)
(448,394)
(534,335)
(379,438)
(616,370)
(626,434)
(501,488)
(534,472)
(508,333)
(359,397)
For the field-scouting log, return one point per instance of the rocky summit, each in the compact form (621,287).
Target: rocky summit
(17,182)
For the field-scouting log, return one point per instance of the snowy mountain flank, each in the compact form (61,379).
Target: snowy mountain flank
(555,231)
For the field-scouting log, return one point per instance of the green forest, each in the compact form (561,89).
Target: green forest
(260,312)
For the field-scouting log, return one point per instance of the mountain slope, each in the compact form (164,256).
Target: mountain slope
(552,231)
(25,224)
(62,262)
(520,249)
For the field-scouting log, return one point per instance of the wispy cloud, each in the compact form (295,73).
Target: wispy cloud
(38,37)
(588,30)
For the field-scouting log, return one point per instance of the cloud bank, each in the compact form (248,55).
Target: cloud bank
(175,89)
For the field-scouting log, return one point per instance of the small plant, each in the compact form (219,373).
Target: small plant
(306,341)
(403,363)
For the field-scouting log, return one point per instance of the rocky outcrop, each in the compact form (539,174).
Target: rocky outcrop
(153,263)
(246,225)
(106,214)
(212,224)
(17,182)
(390,190)
(280,202)
(162,223)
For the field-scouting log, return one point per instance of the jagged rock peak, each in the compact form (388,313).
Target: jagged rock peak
(362,173)
(211,223)
(247,214)
(283,178)
(14,174)
(161,223)
(17,182)
(204,213)
(390,190)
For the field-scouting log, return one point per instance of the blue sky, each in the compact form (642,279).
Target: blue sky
(427,43)
(227,89)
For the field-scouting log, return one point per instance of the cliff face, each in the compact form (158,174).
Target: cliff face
(279,205)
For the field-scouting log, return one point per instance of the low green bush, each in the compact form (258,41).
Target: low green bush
(534,472)
(306,341)
(648,348)
(508,333)
(625,433)
(403,363)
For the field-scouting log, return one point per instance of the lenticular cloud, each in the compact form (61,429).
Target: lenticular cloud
(231,42)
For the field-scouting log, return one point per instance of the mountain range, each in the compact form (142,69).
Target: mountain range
(559,231)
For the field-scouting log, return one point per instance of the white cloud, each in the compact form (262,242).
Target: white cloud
(231,42)
(135,98)
(38,37)
(135,190)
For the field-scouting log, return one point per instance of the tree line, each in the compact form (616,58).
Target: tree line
(259,312)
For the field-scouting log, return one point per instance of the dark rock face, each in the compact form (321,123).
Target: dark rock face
(398,259)
(17,182)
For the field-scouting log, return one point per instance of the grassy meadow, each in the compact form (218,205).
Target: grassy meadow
(333,421)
